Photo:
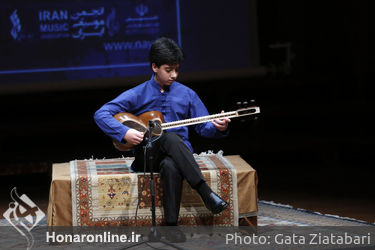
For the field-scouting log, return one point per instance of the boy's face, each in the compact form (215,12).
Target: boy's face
(166,74)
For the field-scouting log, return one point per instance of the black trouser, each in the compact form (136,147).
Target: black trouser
(173,159)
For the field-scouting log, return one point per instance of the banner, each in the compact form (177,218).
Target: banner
(88,36)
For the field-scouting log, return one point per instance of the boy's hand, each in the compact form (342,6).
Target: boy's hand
(134,136)
(221,124)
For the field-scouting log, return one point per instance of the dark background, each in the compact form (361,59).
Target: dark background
(315,133)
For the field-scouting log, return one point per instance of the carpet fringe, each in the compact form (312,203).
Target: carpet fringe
(314,212)
(210,152)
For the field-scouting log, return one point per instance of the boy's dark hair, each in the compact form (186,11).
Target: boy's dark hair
(165,51)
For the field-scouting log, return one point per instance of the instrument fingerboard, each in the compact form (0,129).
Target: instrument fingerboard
(202,119)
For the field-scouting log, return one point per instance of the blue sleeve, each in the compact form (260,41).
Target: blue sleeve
(104,116)
(206,129)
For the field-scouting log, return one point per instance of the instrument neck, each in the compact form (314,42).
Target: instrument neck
(198,120)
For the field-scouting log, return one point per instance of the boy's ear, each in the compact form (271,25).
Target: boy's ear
(154,67)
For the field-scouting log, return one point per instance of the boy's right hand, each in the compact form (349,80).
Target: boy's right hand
(134,136)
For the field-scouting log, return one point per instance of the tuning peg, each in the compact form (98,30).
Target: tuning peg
(252,102)
(245,104)
(239,105)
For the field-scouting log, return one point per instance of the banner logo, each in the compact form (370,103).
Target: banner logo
(14,32)
(23,215)
(141,9)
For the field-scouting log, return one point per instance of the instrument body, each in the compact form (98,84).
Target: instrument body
(141,122)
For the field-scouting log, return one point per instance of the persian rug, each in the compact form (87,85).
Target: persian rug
(275,214)
(106,192)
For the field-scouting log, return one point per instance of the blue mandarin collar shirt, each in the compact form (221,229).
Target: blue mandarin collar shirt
(179,102)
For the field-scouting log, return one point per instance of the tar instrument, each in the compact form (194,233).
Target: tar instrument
(141,122)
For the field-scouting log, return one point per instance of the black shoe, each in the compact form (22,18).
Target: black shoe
(175,235)
(215,204)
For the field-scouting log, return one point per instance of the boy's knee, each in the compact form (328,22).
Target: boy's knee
(168,168)
(172,137)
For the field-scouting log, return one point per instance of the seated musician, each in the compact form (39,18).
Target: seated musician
(172,152)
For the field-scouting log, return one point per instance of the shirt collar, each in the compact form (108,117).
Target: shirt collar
(157,86)
(154,83)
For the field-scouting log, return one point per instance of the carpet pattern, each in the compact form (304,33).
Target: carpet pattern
(105,193)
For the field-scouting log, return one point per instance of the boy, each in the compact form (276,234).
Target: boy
(172,152)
